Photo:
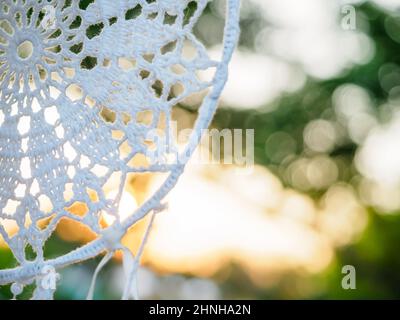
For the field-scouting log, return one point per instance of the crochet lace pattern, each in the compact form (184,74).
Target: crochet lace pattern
(83,86)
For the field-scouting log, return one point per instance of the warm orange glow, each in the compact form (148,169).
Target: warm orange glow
(218,215)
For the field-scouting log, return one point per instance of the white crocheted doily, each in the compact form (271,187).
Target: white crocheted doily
(82,88)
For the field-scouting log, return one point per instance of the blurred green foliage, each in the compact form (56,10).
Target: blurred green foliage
(375,255)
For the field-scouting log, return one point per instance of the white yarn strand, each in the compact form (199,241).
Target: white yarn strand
(133,269)
(100,266)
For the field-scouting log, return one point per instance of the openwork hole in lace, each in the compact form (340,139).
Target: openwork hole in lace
(87,89)
(25,50)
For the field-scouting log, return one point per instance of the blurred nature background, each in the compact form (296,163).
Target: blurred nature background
(324,192)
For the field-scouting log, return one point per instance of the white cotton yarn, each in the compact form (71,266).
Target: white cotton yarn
(71,77)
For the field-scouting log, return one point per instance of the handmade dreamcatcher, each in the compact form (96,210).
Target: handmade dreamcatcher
(83,88)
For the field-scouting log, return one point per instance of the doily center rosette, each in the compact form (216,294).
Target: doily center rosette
(84,86)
